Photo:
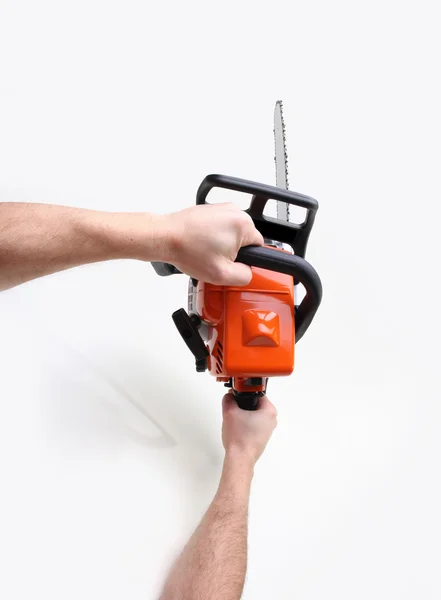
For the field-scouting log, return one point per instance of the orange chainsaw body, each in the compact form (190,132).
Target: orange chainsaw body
(245,335)
(251,329)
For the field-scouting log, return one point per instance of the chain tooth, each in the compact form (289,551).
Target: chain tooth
(280,103)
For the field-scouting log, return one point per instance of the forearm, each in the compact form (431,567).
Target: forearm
(213,564)
(40,239)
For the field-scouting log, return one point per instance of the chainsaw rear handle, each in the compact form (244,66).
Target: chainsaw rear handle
(248,401)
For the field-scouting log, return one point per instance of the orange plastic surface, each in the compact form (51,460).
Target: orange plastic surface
(253,330)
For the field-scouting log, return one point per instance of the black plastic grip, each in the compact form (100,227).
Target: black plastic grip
(247,401)
(165,269)
(299,268)
(295,235)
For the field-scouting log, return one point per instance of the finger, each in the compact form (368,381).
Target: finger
(223,206)
(262,403)
(228,403)
(252,237)
(236,274)
(266,405)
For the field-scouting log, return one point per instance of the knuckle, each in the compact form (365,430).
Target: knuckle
(230,207)
(273,411)
(245,219)
(218,273)
(234,206)
(239,217)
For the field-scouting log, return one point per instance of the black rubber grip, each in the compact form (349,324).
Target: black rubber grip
(247,401)
(165,269)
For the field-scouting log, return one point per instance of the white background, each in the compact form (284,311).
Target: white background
(109,442)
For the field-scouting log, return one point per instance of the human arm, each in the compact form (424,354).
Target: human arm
(213,564)
(202,241)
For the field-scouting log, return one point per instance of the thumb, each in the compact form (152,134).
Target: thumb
(228,403)
(252,237)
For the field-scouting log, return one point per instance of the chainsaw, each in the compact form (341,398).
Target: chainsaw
(244,335)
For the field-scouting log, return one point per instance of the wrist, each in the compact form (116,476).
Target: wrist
(156,238)
(139,236)
(235,482)
(240,458)
(170,235)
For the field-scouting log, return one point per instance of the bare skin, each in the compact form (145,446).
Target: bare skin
(213,564)
(202,241)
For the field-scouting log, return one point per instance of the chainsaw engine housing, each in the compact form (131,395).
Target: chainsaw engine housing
(249,331)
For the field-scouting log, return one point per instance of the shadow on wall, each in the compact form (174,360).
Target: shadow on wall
(129,398)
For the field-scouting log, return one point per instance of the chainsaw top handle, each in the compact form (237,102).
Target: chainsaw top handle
(294,234)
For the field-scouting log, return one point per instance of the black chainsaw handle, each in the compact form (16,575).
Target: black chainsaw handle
(299,269)
(247,401)
(164,269)
(280,262)
(295,235)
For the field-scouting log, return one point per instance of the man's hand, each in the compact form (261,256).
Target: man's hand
(203,242)
(214,562)
(247,432)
